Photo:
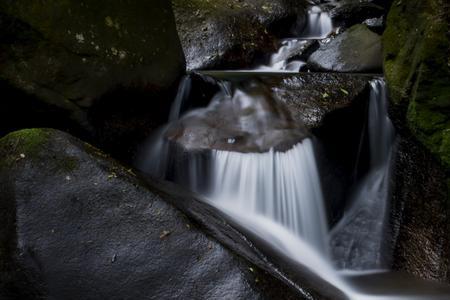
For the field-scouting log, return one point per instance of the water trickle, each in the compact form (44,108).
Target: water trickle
(358,241)
(184,90)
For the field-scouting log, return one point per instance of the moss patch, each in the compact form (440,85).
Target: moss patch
(32,144)
(417,69)
(27,142)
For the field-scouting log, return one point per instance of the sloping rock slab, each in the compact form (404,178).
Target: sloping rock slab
(76,225)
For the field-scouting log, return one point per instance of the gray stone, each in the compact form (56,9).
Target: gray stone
(356,50)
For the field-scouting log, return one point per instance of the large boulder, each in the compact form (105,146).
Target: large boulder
(417,69)
(232,33)
(356,50)
(90,66)
(77,225)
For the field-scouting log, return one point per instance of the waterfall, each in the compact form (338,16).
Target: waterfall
(281,186)
(319,24)
(276,194)
(358,240)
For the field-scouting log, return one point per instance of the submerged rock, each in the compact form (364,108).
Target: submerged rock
(247,120)
(231,34)
(77,225)
(356,50)
(61,59)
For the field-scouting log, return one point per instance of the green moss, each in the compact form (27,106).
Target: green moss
(33,144)
(416,64)
(27,141)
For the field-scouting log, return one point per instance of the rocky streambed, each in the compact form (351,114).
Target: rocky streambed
(85,84)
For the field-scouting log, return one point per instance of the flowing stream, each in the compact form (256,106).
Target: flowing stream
(277,194)
(318,26)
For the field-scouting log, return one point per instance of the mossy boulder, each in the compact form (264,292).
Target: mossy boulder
(232,33)
(61,58)
(74,224)
(356,50)
(417,68)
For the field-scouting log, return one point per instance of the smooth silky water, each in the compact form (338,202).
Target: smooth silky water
(277,195)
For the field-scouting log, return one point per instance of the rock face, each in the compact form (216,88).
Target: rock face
(356,50)
(420,212)
(349,13)
(416,65)
(60,59)
(231,34)
(76,225)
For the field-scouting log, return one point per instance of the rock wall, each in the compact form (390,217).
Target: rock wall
(417,70)
(66,64)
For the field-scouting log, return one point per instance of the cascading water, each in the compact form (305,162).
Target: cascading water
(281,186)
(276,194)
(358,241)
(318,26)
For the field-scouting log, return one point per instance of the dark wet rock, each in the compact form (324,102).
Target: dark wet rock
(349,13)
(88,66)
(77,225)
(247,120)
(356,50)
(420,212)
(376,24)
(417,69)
(310,97)
(228,34)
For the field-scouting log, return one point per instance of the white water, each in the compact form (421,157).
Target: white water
(277,196)
(359,240)
(183,92)
(282,187)
(318,26)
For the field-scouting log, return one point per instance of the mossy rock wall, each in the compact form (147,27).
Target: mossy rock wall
(417,68)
